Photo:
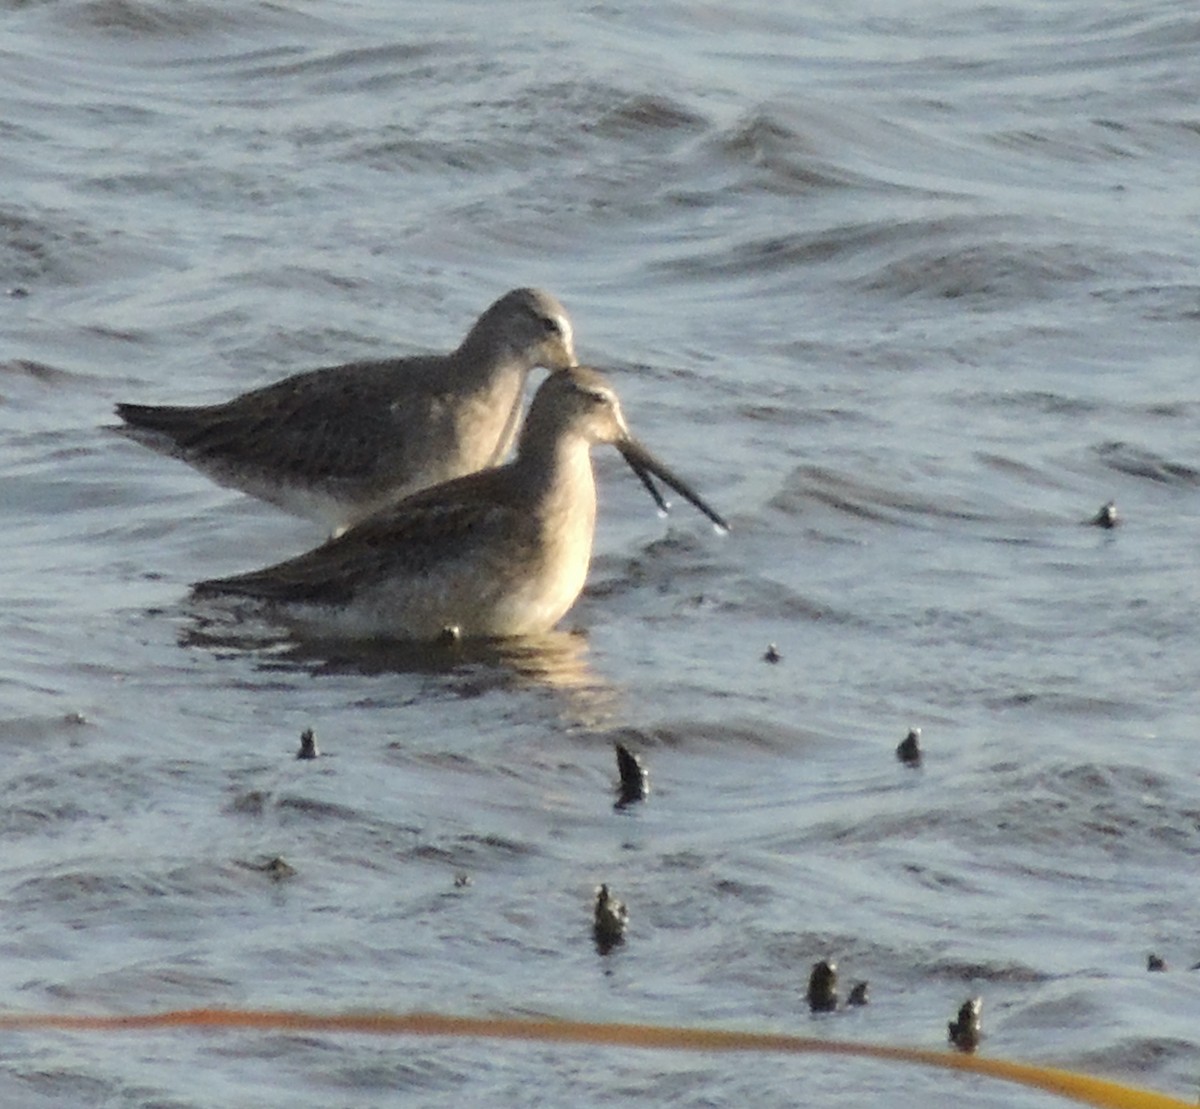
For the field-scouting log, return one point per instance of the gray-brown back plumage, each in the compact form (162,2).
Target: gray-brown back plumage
(338,443)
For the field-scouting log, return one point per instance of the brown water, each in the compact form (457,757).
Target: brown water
(907,297)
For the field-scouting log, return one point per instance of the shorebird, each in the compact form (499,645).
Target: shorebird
(501,552)
(339,443)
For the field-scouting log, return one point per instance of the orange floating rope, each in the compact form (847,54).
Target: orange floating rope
(1081,1088)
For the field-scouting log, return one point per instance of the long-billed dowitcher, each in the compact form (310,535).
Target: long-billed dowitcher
(337,444)
(500,552)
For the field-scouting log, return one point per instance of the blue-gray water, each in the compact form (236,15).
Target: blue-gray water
(907,291)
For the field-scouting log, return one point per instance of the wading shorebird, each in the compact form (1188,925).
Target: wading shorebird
(339,443)
(501,552)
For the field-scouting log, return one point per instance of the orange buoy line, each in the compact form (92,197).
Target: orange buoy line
(1081,1088)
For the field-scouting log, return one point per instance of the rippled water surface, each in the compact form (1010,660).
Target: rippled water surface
(907,291)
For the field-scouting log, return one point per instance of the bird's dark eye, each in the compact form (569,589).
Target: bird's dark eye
(597,396)
(551,326)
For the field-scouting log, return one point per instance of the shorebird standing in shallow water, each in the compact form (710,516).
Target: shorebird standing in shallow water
(339,443)
(501,552)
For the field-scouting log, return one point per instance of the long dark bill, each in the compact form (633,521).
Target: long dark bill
(644,464)
(645,478)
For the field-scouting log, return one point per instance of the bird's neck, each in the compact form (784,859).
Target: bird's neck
(561,488)
(479,350)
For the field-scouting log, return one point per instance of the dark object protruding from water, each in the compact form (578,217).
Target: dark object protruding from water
(772,653)
(277,869)
(308,745)
(635,779)
(609,921)
(1156,962)
(1107,516)
(909,751)
(965,1032)
(860,994)
(461,880)
(822,987)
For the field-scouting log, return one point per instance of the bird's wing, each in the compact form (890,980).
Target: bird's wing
(409,539)
(300,425)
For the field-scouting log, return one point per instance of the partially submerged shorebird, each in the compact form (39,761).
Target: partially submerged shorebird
(501,552)
(339,443)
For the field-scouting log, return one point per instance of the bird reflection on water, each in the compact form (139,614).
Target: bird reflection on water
(556,661)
